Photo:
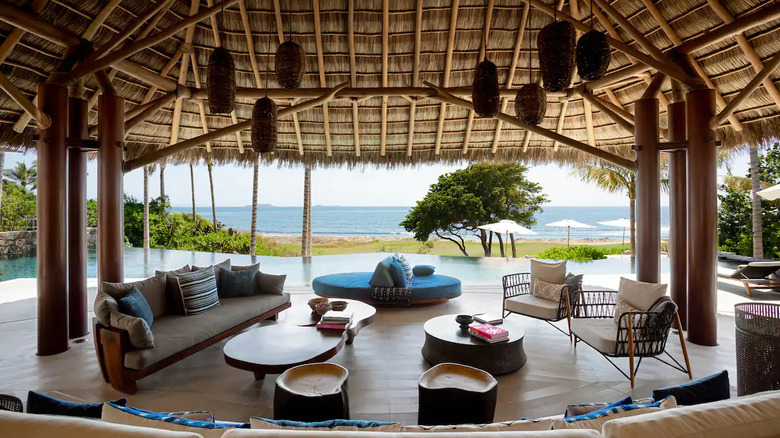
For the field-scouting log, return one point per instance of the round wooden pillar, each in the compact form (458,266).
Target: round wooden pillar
(702,218)
(111,135)
(52,223)
(648,191)
(678,213)
(77,220)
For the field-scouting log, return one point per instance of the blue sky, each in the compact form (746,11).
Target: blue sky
(341,186)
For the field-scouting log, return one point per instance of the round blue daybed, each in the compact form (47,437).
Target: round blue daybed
(431,289)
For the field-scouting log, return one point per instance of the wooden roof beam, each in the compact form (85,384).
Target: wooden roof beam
(415,75)
(360,93)
(506,118)
(561,118)
(741,24)
(160,154)
(385,50)
(677,41)
(586,106)
(482,51)
(201,107)
(215,27)
(510,77)
(16,34)
(130,28)
(43,119)
(353,75)
(770,67)
(447,69)
(189,34)
(36,26)
(280,34)
(323,80)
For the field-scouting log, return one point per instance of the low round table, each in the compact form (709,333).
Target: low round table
(446,342)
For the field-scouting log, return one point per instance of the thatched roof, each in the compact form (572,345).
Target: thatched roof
(724,63)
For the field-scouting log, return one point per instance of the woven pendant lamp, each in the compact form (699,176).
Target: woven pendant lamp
(264,126)
(530,104)
(593,55)
(221,81)
(557,43)
(290,62)
(484,90)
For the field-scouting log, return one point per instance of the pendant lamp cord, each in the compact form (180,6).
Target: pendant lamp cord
(487,30)
(593,15)
(289,21)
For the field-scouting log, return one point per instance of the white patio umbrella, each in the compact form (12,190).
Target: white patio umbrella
(506,226)
(771,193)
(569,224)
(620,223)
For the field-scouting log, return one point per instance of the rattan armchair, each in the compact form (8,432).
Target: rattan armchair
(518,299)
(10,403)
(635,335)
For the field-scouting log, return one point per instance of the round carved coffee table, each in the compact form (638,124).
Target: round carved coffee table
(446,342)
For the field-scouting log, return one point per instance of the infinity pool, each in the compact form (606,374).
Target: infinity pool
(300,271)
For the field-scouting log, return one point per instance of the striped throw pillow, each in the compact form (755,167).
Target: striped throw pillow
(407,268)
(199,290)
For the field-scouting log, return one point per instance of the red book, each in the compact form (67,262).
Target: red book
(331,326)
(488,331)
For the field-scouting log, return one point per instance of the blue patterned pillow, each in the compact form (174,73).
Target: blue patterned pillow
(594,420)
(407,268)
(398,275)
(134,304)
(143,418)
(199,291)
(341,425)
(38,403)
(585,408)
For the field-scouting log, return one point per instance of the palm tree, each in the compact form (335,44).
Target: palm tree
(23,175)
(211,185)
(2,165)
(192,183)
(146,207)
(253,226)
(614,179)
(162,179)
(757,220)
(306,233)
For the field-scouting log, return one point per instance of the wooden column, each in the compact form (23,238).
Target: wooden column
(702,218)
(678,212)
(110,245)
(52,222)
(648,191)
(77,220)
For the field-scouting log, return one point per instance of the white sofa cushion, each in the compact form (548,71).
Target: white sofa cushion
(258,433)
(640,294)
(600,334)
(549,272)
(754,416)
(596,419)
(16,425)
(533,306)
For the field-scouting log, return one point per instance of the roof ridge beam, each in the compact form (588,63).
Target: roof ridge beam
(323,79)
(447,69)
(385,50)
(415,75)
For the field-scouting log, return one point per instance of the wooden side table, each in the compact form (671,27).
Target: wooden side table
(456,394)
(312,392)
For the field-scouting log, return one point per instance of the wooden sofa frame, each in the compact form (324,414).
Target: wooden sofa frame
(111,344)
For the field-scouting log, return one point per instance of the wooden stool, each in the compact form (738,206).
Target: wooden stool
(312,392)
(456,394)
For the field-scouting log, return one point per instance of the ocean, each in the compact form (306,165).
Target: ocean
(383,221)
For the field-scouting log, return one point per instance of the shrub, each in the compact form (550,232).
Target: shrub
(18,209)
(580,253)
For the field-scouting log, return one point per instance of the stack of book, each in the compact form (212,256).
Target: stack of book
(489,318)
(489,333)
(334,320)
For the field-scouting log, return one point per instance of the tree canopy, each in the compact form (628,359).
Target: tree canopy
(480,194)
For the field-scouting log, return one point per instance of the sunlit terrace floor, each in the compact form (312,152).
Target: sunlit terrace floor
(384,364)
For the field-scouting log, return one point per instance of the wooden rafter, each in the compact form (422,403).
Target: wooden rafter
(762,75)
(215,26)
(447,69)
(43,120)
(201,107)
(280,34)
(574,9)
(415,74)
(186,48)
(323,80)
(353,75)
(561,119)
(736,27)
(482,51)
(385,50)
(510,77)
(676,40)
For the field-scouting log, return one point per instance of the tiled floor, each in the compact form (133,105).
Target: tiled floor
(384,364)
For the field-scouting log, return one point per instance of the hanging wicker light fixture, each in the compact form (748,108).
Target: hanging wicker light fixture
(530,100)
(221,81)
(264,126)
(484,90)
(593,55)
(290,64)
(557,43)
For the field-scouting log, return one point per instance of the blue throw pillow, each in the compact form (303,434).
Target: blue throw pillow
(236,283)
(423,270)
(397,274)
(585,408)
(382,277)
(38,403)
(168,418)
(709,389)
(134,304)
(342,425)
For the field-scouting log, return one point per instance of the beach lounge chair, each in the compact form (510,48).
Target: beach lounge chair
(759,275)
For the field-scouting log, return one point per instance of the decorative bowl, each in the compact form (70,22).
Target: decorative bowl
(314,301)
(322,308)
(464,321)
(339,305)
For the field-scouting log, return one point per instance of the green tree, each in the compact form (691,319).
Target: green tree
(461,201)
(614,179)
(18,207)
(23,175)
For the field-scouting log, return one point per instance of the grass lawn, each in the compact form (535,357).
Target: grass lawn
(411,246)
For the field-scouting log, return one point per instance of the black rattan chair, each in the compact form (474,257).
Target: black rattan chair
(636,335)
(518,299)
(10,403)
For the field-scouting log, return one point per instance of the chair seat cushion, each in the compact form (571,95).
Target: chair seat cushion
(175,333)
(533,306)
(600,334)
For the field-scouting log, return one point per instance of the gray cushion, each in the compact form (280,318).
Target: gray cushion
(269,284)
(533,306)
(640,294)
(107,312)
(573,281)
(175,333)
(153,290)
(237,283)
(598,333)
(549,272)
(255,267)
(382,276)
(173,290)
